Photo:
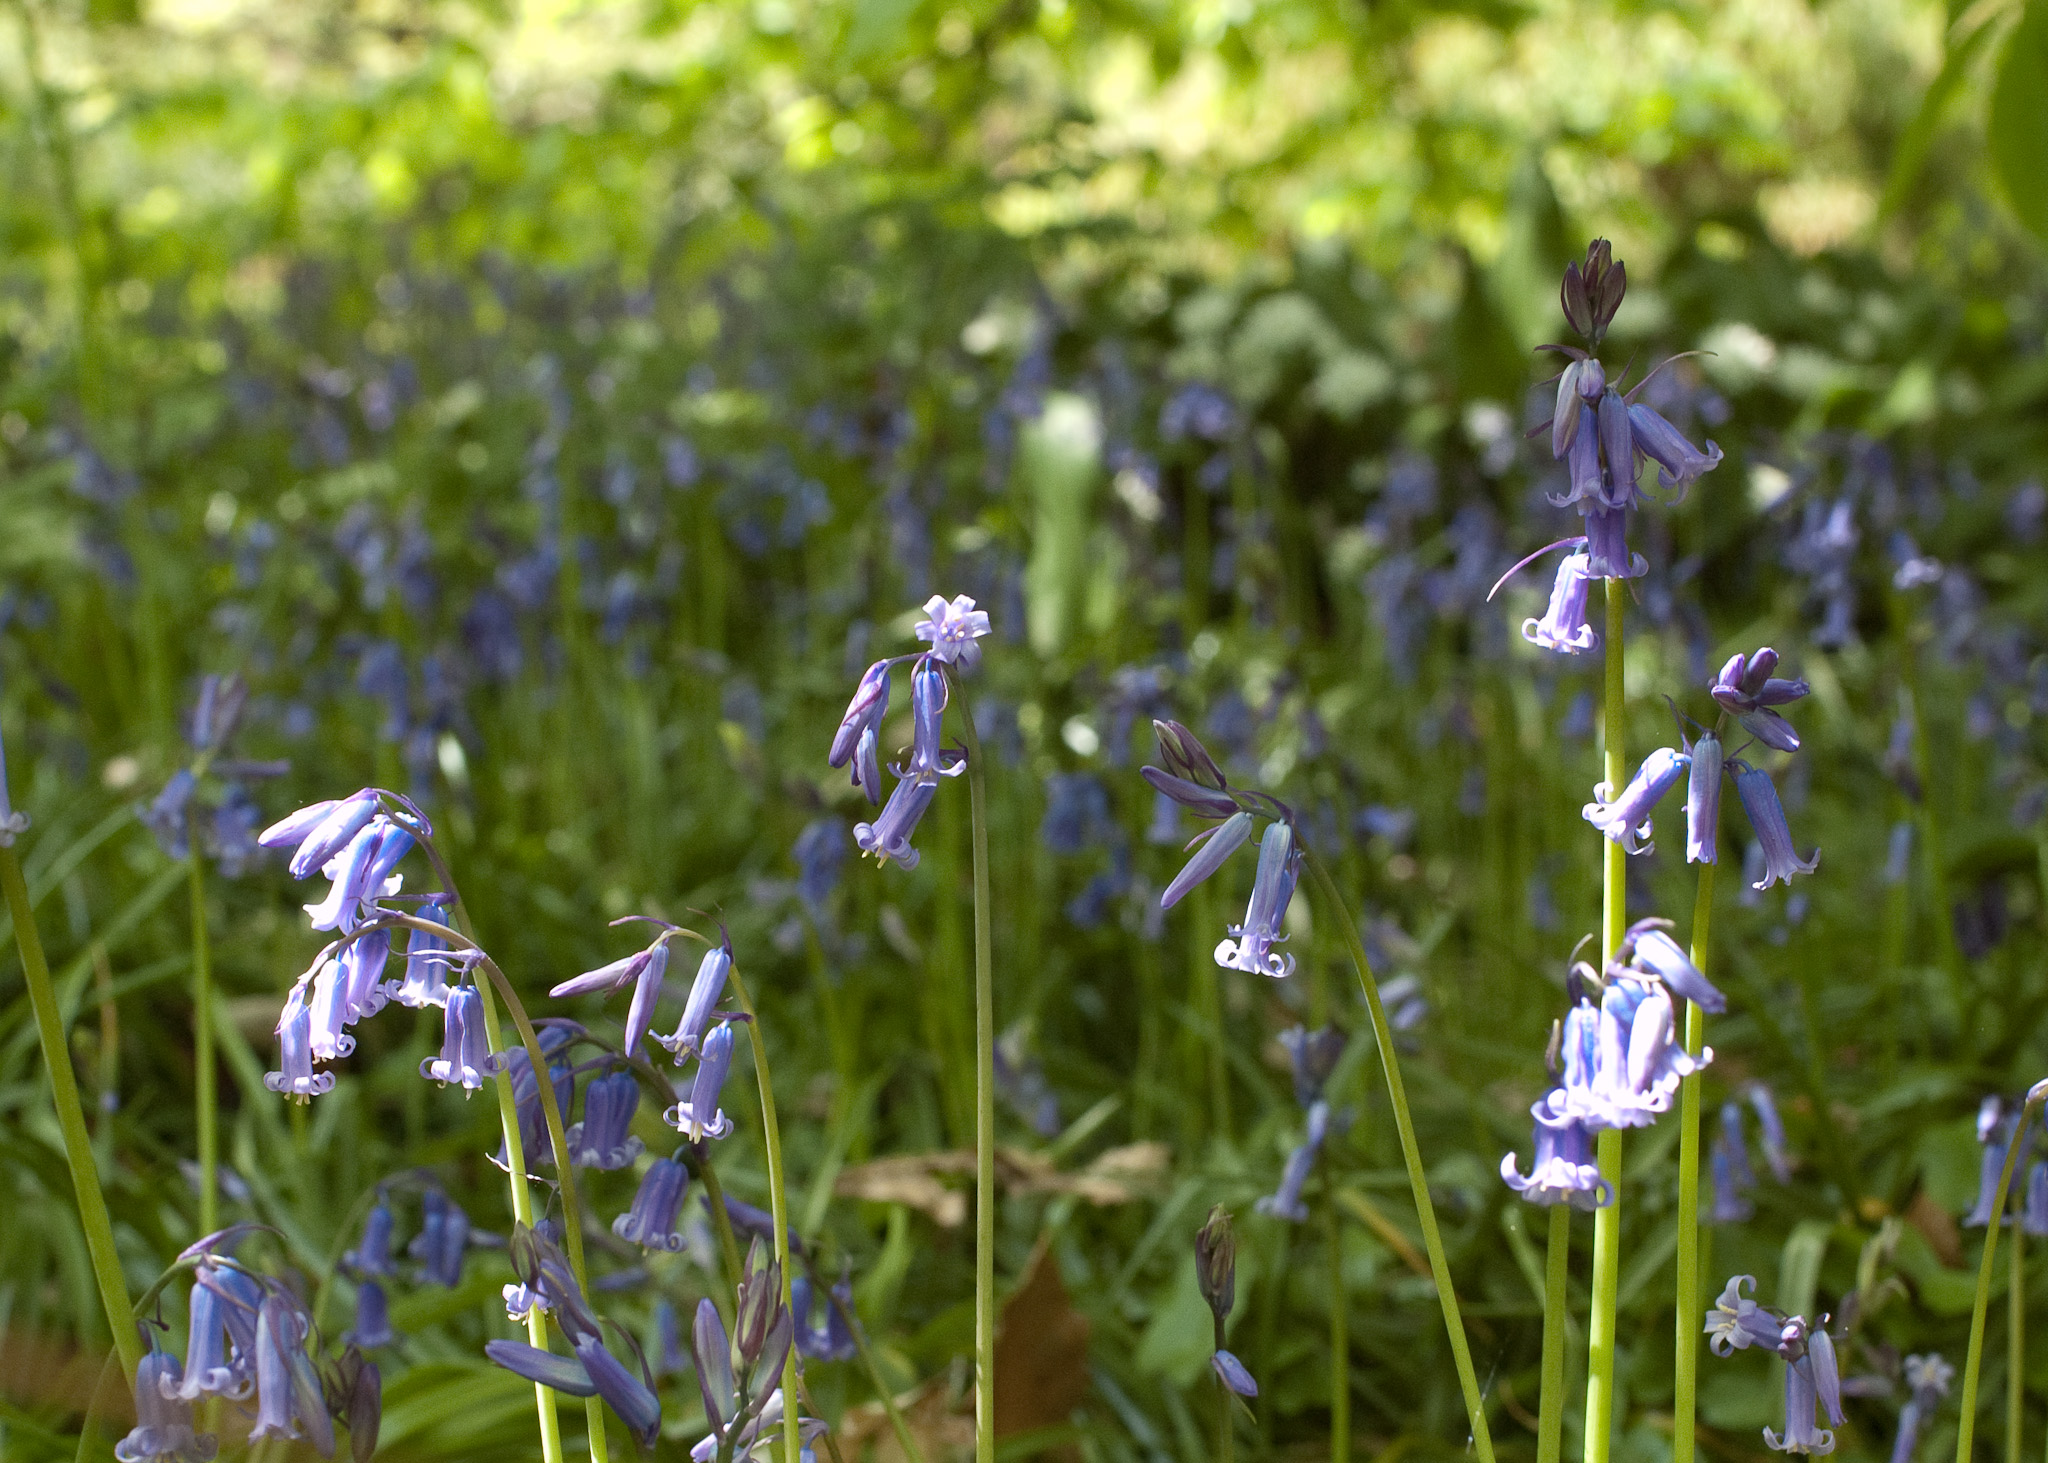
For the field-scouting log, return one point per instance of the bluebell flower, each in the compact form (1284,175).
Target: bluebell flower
(168,815)
(1679,463)
(1738,1148)
(442,1240)
(373,1318)
(1213,847)
(1250,946)
(1729,1166)
(644,970)
(2034,1211)
(321,830)
(651,1223)
(1406,1005)
(208,1370)
(928,698)
(372,1257)
(1737,1323)
(1563,1170)
(1746,688)
(1771,1129)
(757,1223)
(295,1077)
(1621,1064)
(1607,550)
(1767,816)
(464,1043)
(1232,1374)
(954,628)
(603,1139)
(888,837)
(699,1116)
(1811,1381)
(1996,1132)
(163,1430)
(819,852)
(1285,1202)
(1165,824)
(591,1372)
(1703,801)
(705,991)
(364,990)
(534,1141)
(426,960)
(833,1340)
(1563,627)
(233,830)
(361,874)
(860,727)
(1650,950)
(670,1359)
(1626,818)
(1928,1376)
(288,1393)
(1313,1055)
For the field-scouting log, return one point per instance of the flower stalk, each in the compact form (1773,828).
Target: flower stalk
(1686,1349)
(1973,1366)
(1613,925)
(778,1203)
(1556,1275)
(205,1077)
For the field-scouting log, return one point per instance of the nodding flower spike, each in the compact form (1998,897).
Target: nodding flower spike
(699,1117)
(207,1368)
(651,1223)
(288,1395)
(351,889)
(295,1077)
(864,715)
(603,1139)
(888,837)
(163,1420)
(373,1318)
(1215,846)
(321,841)
(1759,797)
(1563,1170)
(1250,947)
(705,991)
(1626,818)
(1563,627)
(1703,801)
(953,627)
(464,1046)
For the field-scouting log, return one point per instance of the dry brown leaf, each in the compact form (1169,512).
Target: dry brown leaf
(1938,1227)
(940,1420)
(1116,1176)
(1041,1353)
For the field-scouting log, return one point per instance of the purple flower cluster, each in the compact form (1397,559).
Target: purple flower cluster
(954,629)
(1812,1377)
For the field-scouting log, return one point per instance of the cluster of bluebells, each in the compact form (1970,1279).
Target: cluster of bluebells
(1314,1056)
(737,1374)
(1812,1379)
(1747,690)
(249,1337)
(954,629)
(209,795)
(1999,1127)
(1216,1276)
(1733,1177)
(1928,1378)
(1616,1060)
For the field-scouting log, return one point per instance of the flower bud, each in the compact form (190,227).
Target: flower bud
(1216,1262)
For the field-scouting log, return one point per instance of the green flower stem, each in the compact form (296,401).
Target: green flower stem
(1686,1351)
(206,1080)
(1226,1425)
(1340,1346)
(883,1392)
(1613,921)
(1966,1427)
(1556,1274)
(778,1205)
(85,1178)
(984,1102)
(2016,1338)
(1418,1181)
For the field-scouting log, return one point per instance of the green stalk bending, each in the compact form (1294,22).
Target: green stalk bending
(85,1178)
(984,1105)
(1556,1273)
(1340,1346)
(2016,1340)
(1418,1181)
(1686,1351)
(778,1207)
(205,1080)
(1966,1427)
(1613,921)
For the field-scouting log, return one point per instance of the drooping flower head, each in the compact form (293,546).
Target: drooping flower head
(163,1430)
(1563,627)
(652,1221)
(1625,819)
(603,1140)
(1563,1170)
(1250,946)
(1759,797)
(465,1047)
(644,970)
(699,1116)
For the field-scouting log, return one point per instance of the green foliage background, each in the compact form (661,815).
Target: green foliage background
(320,320)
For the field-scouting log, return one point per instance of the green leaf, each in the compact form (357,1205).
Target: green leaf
(2018,127)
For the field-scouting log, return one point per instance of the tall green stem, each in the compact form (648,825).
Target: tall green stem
(778,1205)
(85,1178)
(1613,921)
(2016,1341)
(1556,1273)
(1418,1181)
(1226,1426)
(1340,1345)
(1966,1429)
(984,1104)
(206,1081)
(1686,1348)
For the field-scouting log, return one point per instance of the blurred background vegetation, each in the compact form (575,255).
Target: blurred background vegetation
(549,409)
